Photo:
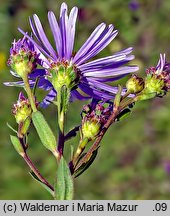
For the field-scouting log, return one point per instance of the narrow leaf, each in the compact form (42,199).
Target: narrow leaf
(44,131)
(17,145)
(11,128)
(41,183)
(124,114)
(86,165)
(64,187)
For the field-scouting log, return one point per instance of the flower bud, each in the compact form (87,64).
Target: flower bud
(90,129)
(23,57)
(94,116)
(135,84)
(157,81)
(22,109)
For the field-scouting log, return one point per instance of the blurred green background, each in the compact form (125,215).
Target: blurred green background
(134,158)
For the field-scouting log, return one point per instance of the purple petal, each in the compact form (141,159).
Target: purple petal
(37,73)
(34,30)
(111,72)
(93,92)
(89,42)
(100,85)
(161,62)
(111,61)
(48,99)
(108,79)
(43,37)
(21,97)
(19,83)
(44,84)
(64,28)
(14,74)
(106,37)
(38,46)
(76,95)
(71,31)
(126,51)
(56,32)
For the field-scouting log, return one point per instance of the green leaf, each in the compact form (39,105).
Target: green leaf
(86,165)
(11,128)
(41,183)
(64,186)
(124,114)
(44,131)
(17,145)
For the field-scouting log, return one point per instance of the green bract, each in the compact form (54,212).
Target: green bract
(135,84)
(63,75)
(90,129)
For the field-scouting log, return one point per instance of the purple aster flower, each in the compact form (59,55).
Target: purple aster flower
(82,75)
(24,54)
(24,57)
(134,5)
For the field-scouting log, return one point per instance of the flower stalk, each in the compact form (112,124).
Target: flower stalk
(62,102)
(29,93)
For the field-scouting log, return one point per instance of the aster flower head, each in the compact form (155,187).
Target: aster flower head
(161,72)
(157,81)
(94,116)
(22,109)
(23,57)
(86,76)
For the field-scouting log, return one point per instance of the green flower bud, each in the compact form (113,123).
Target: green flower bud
(22,112)
(23,57)
(154,86)
(21,66)
(90,129)
(135,84)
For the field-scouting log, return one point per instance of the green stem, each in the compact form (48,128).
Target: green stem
(61,116)
(61,133)
(29,93)
(79,150)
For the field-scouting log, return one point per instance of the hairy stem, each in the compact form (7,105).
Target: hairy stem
(61,117)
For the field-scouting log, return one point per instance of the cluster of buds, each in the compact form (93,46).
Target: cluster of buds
(22,111)
(24,57)
(94,116)
(64,74)
(156,83)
